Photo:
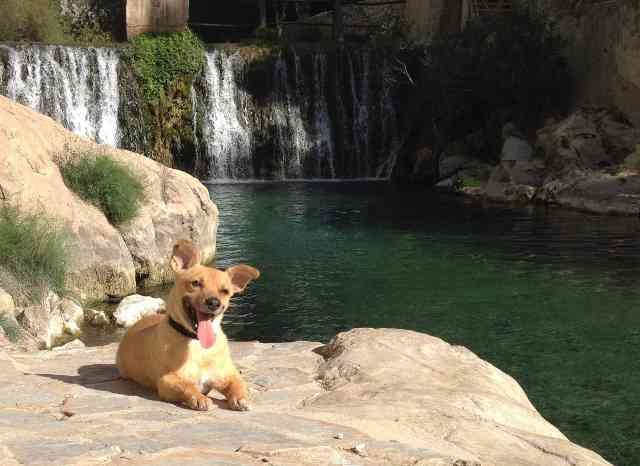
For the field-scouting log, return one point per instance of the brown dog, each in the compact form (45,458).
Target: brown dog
(184,354)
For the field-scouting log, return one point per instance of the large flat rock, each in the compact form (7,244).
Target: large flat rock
(403,398)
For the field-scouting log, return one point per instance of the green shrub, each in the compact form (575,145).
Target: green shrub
(9,327)
(33,248)
(31,20)
(105,183)
(159,60)
(499,69)
(165,66)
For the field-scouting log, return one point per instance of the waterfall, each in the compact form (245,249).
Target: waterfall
(288,131)
(77,87)
(226,134)
(256,114)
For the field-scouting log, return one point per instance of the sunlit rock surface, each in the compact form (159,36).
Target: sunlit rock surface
(370,397)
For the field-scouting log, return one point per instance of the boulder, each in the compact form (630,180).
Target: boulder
(369,398)
(7,306)
(96,318)
(593,191)
(590,138)
(105,260)
(50,319)
(515,181)
(133,308)
(515,149)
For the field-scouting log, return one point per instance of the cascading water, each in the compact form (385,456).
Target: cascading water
(76,86)
(295,115)
(226,133)
(291,132)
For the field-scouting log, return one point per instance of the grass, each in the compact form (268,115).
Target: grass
(109,185)
(33,249)
(31,21)
(9,327)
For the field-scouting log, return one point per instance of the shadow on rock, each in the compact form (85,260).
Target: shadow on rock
(106,378)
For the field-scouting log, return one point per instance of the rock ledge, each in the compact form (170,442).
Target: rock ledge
(370,397)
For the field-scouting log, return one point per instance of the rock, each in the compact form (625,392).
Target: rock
(359,449)
(590,138)
(594,192)
(509,183)
(7,306)
(71,311)
(75,344)
(515,149)
(408,397)
(133,308)
(52,318)
(450,165)
(104,259)
(96,318)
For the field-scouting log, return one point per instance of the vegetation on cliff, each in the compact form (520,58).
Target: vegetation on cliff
(33,250)
(165,66)
(499,69)
(31,20)
(105,183)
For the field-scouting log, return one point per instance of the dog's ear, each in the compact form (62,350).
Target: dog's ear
(241,275)
(185,255)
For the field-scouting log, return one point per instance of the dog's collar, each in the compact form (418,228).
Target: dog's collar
(180,329)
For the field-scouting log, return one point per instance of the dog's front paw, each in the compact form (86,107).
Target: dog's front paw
(240,405)
(200,403)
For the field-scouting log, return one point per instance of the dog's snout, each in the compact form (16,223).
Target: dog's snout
(212,303)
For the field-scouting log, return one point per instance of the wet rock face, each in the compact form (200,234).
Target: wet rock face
(370,397)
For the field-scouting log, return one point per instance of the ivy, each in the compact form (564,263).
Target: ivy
(165,66)
(161,60)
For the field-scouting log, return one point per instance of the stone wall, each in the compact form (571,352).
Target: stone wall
(156,16)
(604,41)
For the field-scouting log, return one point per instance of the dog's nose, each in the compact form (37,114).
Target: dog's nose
(212,303)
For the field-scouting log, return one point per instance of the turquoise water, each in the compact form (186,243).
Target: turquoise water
(549,296)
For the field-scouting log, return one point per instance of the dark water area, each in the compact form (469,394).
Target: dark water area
(549,296)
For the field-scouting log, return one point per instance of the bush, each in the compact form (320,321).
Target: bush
(9,327)
(499,69)
(160,60)
(105,183)
(31,20)
(33,248)
(165,66)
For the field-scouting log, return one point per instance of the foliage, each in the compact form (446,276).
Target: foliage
(31,20)
(632,162)
(105,183)
(165,66)
(499,69)
(33,248)
(10,327)
(161,60)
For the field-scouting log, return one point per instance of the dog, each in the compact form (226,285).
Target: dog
(184,354)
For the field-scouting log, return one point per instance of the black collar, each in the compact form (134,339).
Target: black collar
(180,329)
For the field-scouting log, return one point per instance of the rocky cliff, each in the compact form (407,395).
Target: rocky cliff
(104,260)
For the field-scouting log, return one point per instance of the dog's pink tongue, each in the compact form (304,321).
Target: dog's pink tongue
(206,335)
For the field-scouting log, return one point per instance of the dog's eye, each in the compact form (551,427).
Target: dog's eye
(195,284)
(224,291)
